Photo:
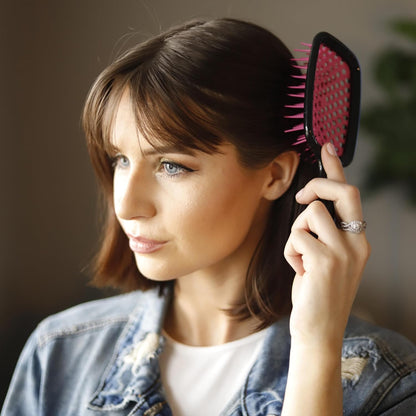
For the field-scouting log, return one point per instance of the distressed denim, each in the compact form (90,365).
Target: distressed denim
(101,358)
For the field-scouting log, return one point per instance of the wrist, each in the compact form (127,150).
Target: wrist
(318,358)
(315,375)
(330,344)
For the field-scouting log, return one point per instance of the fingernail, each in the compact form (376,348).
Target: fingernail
(299,194)
(331,149)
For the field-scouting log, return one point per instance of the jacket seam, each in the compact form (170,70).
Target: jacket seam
(78,329)
(387,390)
(398,403)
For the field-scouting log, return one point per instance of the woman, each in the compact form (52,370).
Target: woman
(203,188)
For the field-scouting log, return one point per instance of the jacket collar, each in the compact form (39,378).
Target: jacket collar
(132,377)
(264,388)
(134,370)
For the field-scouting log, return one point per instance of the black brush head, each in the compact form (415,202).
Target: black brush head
(332,97)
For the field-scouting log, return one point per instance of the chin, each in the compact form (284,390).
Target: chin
(153,270)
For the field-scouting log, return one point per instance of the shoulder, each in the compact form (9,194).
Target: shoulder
(366,340)
(378,367)
(70,351)
(393,341)
(93,316)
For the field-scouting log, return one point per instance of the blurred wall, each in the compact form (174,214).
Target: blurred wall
(51,52)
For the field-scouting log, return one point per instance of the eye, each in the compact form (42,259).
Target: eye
(173,169)
(120,161)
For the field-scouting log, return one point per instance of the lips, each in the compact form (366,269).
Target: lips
(142,245)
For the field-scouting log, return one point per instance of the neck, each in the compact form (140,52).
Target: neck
(198,312)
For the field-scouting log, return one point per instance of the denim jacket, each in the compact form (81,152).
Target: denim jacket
(101,358)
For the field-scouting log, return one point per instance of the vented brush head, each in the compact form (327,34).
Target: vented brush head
(328,90)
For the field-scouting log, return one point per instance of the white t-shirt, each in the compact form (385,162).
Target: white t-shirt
(202,380)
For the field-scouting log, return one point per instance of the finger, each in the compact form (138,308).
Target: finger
(300,248)
(346,198)
(347,203)
(332,164)
(316,219)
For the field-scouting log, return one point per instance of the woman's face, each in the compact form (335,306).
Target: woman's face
(185,212)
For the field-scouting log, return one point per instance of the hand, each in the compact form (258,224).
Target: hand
(328,268)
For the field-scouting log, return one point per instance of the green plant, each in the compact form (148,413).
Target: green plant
(391,124)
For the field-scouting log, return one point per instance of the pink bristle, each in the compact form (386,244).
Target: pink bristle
(298,127)
(302,65)
(300,86)
(300,95)
(300,140)
(299,115)
(299,105)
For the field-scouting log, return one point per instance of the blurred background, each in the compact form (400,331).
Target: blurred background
(51,51)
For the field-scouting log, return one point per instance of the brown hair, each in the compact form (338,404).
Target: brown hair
(197,86)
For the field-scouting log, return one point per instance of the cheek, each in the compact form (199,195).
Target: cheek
(118,191)
(220,215)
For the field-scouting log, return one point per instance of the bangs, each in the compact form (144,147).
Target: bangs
(166,113)
(110,105)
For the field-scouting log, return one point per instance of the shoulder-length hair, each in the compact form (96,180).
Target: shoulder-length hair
(197,86)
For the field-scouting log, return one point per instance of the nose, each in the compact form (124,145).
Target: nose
(132,196)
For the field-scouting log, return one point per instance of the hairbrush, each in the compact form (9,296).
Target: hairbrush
(329,98)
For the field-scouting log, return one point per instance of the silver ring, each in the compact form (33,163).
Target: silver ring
(355,226)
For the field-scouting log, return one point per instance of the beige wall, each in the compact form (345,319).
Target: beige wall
(50,53)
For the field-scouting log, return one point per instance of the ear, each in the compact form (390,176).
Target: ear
(280,173)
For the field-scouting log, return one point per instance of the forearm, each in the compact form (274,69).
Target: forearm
(314,382)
